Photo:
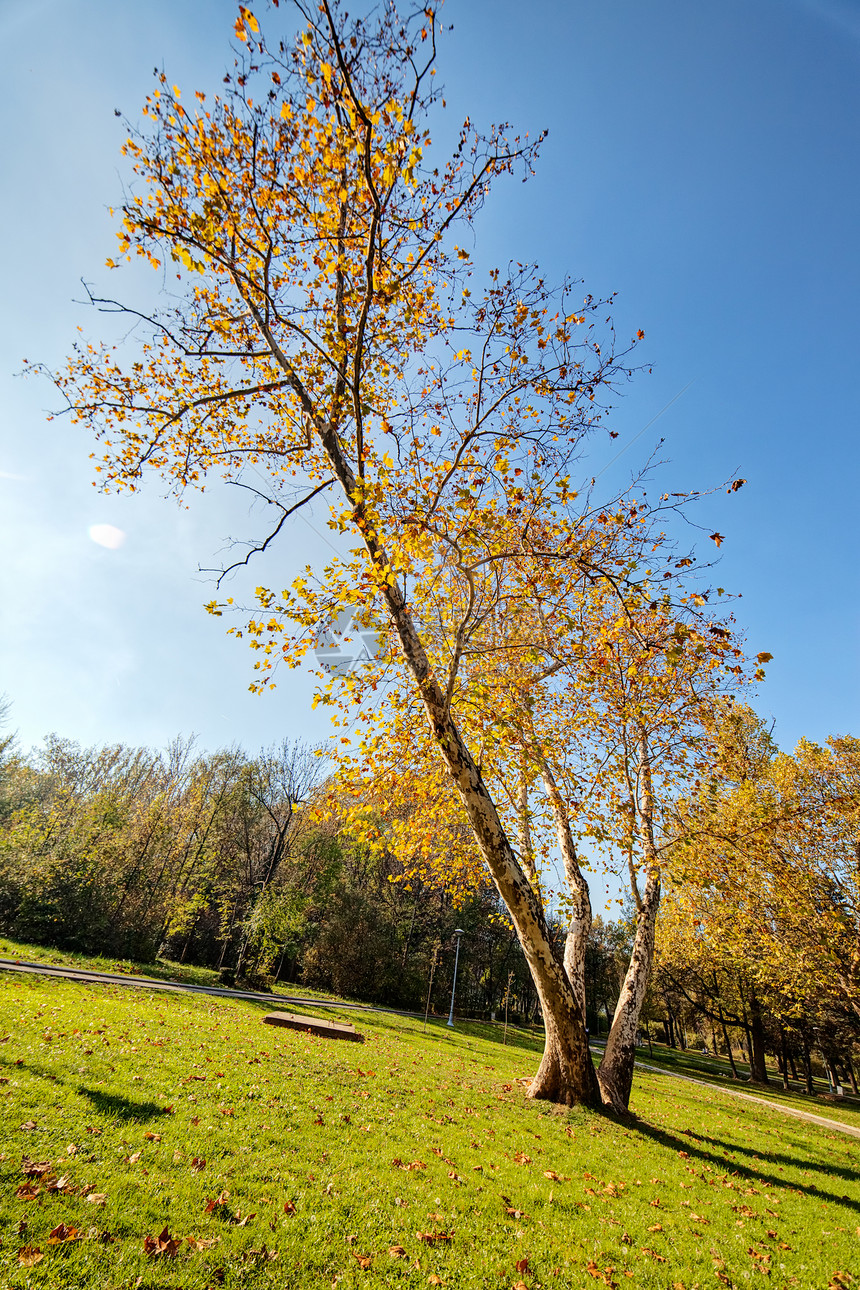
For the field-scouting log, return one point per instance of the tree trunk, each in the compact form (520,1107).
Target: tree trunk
(758,1071)
(783,1048)
(580,920)
(728,1046)
(615,1073)
(807,1067)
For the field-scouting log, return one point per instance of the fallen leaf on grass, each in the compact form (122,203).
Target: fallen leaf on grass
(522,1159)
(656,1227)
(29,1256)
(363,1259)
(433,1238)
(202,1243)
(152,1137)
(34,1168)
(97,1197)
(510,1210)
(434,1280)
(60,1234)
(658,1258)
(57,1186)
(27,1191)
(397,1163)
(29,1124)
(218,1203)
(554,1177)
(263,1255)
(162,1245)
(520,1285)
(397,1252)
(522,1265)
(132,1160)
(289,1207)
(198,1163)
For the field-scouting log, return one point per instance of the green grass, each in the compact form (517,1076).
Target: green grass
(161,970)
(119,1091)
(717,1070)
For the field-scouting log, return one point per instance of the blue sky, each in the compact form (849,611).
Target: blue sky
(702,162)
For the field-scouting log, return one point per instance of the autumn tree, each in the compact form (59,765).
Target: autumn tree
(767,924)
(591,713)
(325,328)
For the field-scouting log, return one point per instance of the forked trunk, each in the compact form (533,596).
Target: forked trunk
(566,1074)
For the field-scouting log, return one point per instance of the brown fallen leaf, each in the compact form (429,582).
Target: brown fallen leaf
(29,1256)
(289,1207)
(397,1163)
(27,1191)
(34,1168)
(163,1245)
(433,1238)
(57,1186)
(522,1159)
(522,1265)
(97,1198)
(198,1163)
(61,1233)
(362,1259)
(29,1124)
(218,1203)
(202,1243)
(434,1280)
(397,1252)
(152,1137)
(243,1222)
(132,1160)
(656,1227)
(658,1258)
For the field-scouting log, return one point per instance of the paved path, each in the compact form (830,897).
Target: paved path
(836,1125)
(152,983)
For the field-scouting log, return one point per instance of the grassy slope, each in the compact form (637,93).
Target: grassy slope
(124,1090)
(161,969)
(717,1070)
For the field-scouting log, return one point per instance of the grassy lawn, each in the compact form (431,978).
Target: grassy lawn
(717,1070)
(157,1142)
(160,970)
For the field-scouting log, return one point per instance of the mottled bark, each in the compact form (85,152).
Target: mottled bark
(580,917)
(615,1073)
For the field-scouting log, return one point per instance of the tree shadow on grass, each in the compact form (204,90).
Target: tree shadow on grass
(776,1157)
(111,1105)
(724,1173)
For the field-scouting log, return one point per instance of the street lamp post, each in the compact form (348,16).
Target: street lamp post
(458,932)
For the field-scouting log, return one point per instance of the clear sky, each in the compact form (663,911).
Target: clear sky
(702,162)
